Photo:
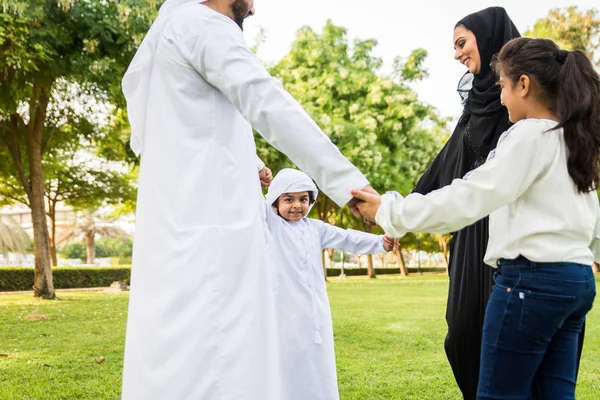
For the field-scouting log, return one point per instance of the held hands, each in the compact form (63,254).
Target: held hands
(353,204)
(266,177)
(366,202)
(390,244)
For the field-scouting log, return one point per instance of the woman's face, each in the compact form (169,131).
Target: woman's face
(466,51)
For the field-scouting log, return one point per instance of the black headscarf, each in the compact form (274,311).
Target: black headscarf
(484,118)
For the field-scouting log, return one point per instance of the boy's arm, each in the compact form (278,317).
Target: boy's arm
(348,240)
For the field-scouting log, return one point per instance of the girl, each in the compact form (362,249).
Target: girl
(477,38)
(538,185)
(303,314)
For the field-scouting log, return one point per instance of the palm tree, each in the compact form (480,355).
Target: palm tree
(89,224)
(12,237)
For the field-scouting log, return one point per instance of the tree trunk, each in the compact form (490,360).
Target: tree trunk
(444,246)
(596,268)
(34,186)
(400,261)
(370,268)
(330,253)
(383,258)
(90,247)
(52,215)
(323,264)
(42,283)
(53,256)
(358,261)
(343,273)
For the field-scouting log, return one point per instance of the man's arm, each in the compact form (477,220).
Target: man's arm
(220,55)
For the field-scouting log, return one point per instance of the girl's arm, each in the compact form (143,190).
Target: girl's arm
(522,154)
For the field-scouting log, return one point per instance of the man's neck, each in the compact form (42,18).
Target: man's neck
(220,6)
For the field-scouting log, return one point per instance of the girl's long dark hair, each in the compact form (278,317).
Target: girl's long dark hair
(569,80)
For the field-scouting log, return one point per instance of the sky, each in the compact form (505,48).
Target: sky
(399,26)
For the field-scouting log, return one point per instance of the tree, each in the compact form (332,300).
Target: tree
(76,177)
(49,48)
(77,180)
(89,224)
(376,121)
(106,247)
(83,183)
(571,29)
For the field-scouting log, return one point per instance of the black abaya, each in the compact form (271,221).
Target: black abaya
(484,119)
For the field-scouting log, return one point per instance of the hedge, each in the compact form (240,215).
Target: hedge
(333,272)
(20,278)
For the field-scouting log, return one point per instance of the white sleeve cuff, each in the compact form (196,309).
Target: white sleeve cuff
(385,215)
(259,164)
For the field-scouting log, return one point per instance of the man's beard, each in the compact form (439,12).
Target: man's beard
(240,9)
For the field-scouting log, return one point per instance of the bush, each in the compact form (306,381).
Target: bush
(333,272)
(19,278)
(361,271)
(103,249)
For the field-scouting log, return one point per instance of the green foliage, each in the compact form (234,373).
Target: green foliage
(422,241)
(74,251)
(61,64)
(571,29)
(19,278)
(89,42)
(337,256)
(85,182)
(113,248)
(377,122)
(77,51)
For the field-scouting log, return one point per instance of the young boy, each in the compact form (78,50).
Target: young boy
(303,314)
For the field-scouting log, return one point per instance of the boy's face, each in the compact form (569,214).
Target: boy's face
(293,206)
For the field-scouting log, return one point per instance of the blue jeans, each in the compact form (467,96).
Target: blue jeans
(531,328)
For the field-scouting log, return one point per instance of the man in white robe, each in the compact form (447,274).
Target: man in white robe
(201,322)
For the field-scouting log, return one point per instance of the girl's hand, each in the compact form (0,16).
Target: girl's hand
(367,204)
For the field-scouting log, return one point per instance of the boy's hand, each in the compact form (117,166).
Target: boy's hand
(266,177)
(390,244)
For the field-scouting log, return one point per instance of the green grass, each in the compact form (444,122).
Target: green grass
(389,343)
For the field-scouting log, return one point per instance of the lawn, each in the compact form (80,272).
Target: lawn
(389,338)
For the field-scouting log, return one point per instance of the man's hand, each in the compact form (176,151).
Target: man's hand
(353,204)
(266,177)
(367,203)
(390,244)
